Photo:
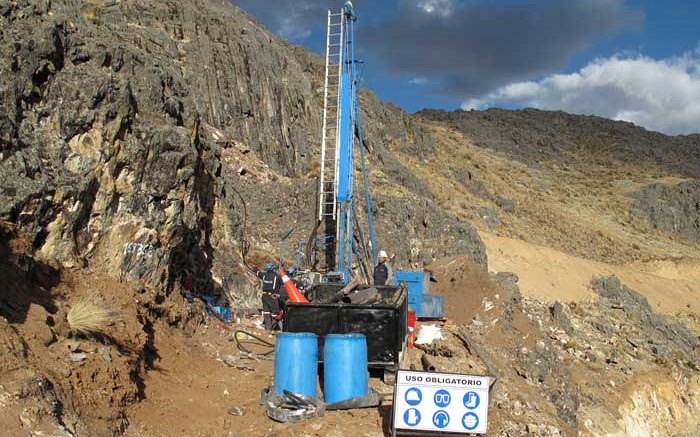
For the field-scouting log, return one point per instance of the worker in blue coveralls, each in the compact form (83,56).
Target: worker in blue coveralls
(271,286)
(383,275)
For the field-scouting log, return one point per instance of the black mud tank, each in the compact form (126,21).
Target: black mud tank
(379,312)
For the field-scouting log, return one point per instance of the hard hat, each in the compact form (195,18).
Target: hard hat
(382,254)
(291,271)
(412,395)
(269,266)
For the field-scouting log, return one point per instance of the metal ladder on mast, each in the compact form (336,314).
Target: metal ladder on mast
(331,116)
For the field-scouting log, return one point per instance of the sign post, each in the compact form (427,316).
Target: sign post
(440,403)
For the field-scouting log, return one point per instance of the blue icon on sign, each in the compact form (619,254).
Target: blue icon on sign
(470,421)
(441,419)
(411,417)
(471,400)
(413,396)
(442,398)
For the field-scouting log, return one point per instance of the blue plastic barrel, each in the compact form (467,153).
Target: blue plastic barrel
(296,363)
(344,367)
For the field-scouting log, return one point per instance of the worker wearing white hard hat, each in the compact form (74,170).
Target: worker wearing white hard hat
(383,275)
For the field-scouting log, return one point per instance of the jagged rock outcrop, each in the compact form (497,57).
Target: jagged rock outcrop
(105,156)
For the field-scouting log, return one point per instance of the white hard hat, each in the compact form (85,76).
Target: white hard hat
(382,254)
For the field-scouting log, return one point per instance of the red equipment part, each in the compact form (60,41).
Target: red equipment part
(292,291)
(411,328)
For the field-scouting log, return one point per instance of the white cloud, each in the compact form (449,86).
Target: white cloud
(662,95)
(442,8)
(476,104)
(420,80)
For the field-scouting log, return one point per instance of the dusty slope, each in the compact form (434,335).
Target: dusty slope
(558,375)
(671,286)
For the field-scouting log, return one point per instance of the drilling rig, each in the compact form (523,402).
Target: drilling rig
(340,301)
(344,243)
(346,250)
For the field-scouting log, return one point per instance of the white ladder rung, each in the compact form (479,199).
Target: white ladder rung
(331,113)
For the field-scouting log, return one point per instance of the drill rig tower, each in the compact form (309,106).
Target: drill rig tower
(341,125)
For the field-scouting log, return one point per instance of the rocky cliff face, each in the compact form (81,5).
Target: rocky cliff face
(125,126)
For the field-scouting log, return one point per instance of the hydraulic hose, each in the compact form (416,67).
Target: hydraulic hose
(260,340)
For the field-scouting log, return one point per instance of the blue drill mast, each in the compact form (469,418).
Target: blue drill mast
(341,125)
(343,242)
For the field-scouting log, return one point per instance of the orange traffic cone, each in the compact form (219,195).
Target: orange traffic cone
(292,291)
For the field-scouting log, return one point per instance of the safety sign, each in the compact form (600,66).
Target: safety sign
(440,402)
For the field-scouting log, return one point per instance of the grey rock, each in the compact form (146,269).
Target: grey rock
(104,353)
(671,208)
(632,302)
(667,339)
(77,357)
(490,217)
(509,283)
(560,314)
(506,205)
(614,357)
(604,327)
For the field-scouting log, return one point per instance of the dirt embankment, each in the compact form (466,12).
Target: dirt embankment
(56,381)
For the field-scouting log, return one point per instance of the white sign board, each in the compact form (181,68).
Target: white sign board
(441,402)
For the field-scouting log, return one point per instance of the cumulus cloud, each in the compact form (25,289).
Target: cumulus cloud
(470,47)
(662,95)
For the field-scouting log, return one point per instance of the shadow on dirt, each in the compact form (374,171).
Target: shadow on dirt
(25,281)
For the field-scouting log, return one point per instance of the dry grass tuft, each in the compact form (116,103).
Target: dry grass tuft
(87,317)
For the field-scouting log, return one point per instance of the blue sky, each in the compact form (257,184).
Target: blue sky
(633,60)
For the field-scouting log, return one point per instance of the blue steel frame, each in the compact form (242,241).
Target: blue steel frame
(349,123)
(346,142)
